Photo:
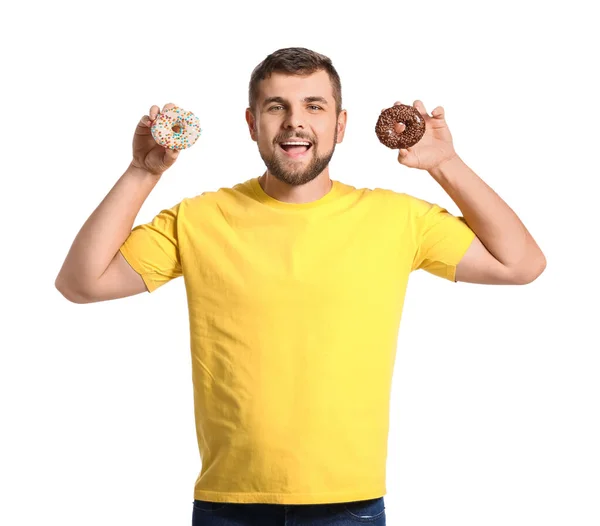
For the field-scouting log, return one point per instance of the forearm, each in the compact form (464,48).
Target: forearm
(106,229)
(492,220)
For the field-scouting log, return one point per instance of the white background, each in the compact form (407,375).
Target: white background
(495,399)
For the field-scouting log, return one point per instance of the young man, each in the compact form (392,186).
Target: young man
(295,285)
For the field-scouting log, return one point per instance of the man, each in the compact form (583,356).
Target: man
(295,286)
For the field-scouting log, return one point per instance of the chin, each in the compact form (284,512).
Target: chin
(307,169)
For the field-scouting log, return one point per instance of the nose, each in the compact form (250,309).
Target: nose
(293,119)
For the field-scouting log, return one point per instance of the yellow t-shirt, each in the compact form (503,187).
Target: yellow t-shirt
(294,316)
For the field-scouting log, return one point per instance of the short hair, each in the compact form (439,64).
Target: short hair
(295,61)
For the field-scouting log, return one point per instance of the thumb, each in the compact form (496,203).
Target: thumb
(405,157)
(171,155)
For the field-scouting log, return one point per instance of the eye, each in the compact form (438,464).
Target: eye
(311,106)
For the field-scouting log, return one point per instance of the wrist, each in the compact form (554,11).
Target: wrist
(139,171)
(445,167)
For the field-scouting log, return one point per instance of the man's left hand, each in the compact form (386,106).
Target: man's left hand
(435,146)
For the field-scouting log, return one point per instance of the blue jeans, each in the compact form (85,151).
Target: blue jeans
(370,511)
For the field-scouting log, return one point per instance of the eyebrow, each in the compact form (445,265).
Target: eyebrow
(314,98)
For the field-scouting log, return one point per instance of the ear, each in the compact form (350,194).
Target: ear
(251,124)
(341,125)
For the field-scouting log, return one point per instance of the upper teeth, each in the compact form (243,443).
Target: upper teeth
(300,143)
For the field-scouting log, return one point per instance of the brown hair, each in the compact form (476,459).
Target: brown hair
(295,61)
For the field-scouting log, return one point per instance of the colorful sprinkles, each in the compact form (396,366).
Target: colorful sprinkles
(176,129)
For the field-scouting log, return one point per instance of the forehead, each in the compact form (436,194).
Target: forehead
(296,86)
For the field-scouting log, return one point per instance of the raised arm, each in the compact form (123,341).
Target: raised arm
(94,269)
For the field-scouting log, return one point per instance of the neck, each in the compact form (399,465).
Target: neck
(306,193)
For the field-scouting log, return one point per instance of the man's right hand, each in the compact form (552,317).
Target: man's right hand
(148,155)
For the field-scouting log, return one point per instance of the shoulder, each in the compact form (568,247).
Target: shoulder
(219,195)
(402,202)
(375,194)
(417,207)
(212,204)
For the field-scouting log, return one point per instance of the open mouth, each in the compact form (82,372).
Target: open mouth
(295,149)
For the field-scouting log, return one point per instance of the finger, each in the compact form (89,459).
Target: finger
(438,113)
(420,107)
(399,127)
(402,154)
(171,154)
(168,106)
(154,112)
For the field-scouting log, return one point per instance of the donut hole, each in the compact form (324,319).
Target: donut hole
(397,127)
(176,128)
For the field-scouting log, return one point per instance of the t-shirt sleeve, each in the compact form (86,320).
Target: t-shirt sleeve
(441,239)
(152,249)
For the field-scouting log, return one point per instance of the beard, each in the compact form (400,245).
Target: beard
(284,170)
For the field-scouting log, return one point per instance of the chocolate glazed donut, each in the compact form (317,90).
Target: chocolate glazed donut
(407,115)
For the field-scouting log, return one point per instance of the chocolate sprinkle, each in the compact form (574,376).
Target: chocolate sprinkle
(407,115)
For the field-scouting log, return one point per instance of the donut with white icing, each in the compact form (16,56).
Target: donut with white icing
(176,128)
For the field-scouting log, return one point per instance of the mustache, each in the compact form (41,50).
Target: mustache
(293,136)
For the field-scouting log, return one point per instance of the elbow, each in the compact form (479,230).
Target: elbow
(68,293)
(533,272)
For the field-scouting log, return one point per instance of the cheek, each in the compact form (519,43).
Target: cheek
(326,136)
(266,144)
(265,135)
